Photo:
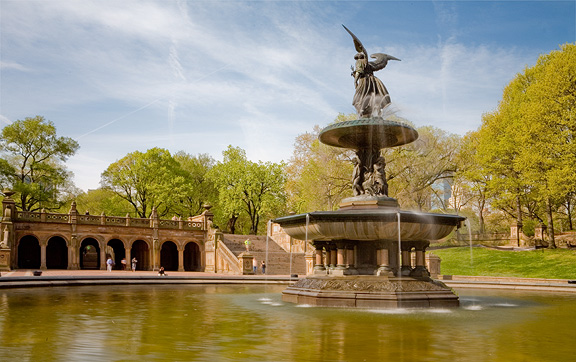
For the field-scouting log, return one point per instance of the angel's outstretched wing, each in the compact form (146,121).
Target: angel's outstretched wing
(357,43)
(380,60)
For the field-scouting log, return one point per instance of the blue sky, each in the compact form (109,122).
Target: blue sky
(120,76)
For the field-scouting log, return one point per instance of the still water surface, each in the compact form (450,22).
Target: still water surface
(235,323)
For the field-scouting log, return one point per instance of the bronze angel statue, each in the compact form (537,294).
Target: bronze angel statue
(371,95)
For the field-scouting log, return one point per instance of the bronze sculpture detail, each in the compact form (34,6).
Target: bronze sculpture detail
(371,95)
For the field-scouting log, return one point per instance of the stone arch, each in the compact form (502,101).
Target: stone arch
(192,257)
(116,250)
(29,252)
(57,253)
(90,254)
(141,251)
(169,256)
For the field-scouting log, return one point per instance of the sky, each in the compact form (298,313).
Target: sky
(197,76)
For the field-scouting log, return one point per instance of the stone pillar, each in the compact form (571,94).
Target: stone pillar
(154,224)
(319,267)
(309,259)
(516,234)
(181,259)
(74,249)
(540,235)
(383,259)
(128,258)
(43,255)
(246,262)
(350,257)
(340,255)
(102,256)
(7,236)
(420,268)
(405,268)
(333,257)
(433,262)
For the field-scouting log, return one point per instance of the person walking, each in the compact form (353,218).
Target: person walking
(123,262)
(134,262)
(263,267)
(255,265)
(109,264)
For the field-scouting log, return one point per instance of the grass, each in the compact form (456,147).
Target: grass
(541,263)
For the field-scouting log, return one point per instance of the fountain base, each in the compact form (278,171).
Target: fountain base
(363,291)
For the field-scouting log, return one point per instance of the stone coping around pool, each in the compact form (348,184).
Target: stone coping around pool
(533,284)
(21,279)
(149,278)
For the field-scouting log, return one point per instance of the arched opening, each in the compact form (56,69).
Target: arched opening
(56,253)
(29,253)
(141,252)
(169,256)
(115,249)
(192,257)
(89,254)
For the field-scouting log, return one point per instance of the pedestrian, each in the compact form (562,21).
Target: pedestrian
(134,261)
(255,265)
(123,263)
(263,267)
(109,264)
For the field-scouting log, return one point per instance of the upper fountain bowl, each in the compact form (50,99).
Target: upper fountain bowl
(375,133)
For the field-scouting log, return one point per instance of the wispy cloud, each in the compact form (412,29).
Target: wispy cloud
(197,76)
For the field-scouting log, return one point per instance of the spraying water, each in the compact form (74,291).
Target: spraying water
(467,222)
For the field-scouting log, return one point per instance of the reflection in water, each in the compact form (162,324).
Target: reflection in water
(231,323)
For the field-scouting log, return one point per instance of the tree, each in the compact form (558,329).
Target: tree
(32,163)
(548,130)
(153,179)
(319,176)
(255,189)
(416,170)
(201,191)
(102,201)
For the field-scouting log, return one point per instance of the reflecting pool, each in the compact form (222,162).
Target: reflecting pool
(247,322)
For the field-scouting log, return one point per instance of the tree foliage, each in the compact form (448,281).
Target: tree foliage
(527,145)
(32,163)
(246,187)
(153,179)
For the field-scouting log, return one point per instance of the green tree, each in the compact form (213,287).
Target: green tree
(255,189)
(103,201)
(548,130)
(32,163)
(153,179)
(201,191)
(415,171)
(319,176)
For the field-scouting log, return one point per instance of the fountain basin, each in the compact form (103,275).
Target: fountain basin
(369,225)
(374,132)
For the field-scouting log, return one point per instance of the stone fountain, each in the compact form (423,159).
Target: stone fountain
(363,251)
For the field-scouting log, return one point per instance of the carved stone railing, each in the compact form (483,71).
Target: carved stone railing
(227,262)
(108,220)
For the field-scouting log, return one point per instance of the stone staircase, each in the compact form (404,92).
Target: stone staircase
(278,258)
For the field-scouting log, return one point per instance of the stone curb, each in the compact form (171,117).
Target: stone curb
(533,284)
(69,280)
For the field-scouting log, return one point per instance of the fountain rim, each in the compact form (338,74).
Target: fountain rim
(334,134)
(381,215)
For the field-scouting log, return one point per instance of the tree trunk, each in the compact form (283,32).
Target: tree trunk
(231,225)
(551,241)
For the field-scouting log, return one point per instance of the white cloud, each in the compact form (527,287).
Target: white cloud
(197,76)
